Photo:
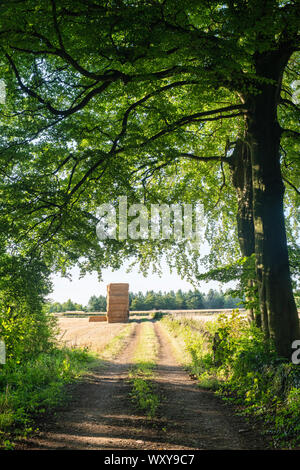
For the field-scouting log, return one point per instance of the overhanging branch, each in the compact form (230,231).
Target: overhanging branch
(199,158)
(291,184)
(291,133)
(67,112)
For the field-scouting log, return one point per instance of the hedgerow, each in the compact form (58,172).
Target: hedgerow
(232,357)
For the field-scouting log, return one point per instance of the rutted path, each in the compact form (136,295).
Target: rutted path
(101,416)
(195,418)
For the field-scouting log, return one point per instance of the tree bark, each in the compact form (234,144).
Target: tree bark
(278,308)
(242,181)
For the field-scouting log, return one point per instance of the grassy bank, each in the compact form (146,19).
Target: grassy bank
(31,389)
(232,358)
(142,372)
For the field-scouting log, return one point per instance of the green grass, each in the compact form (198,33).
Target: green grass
(143,371)
(33,388)
(188,339)
(114,347)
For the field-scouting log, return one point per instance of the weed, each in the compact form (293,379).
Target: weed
(32,388)
(142,372)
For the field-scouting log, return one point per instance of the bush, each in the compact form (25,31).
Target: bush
(24,326)
(36,386)
(157,315)
(26,334)
(31,381)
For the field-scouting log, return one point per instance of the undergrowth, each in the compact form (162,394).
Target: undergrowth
(231,357)
(32,388)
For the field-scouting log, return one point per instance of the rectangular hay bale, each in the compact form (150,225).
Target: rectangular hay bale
(98,318)
(117,302)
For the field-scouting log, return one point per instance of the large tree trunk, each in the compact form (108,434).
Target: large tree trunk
(278,309)
(242,181)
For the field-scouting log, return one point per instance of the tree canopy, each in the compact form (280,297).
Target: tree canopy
(165,103)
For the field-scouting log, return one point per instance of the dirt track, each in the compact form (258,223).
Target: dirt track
(101,415)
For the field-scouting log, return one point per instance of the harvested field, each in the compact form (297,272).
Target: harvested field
(95,335)
(81,332)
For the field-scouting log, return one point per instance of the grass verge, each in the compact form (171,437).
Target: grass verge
(142,372)
(188,339)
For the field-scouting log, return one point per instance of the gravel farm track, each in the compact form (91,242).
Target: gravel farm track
(101,416)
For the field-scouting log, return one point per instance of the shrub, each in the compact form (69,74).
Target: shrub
(26,334)
(35,386)
(24,326)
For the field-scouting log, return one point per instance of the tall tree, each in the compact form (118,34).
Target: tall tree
(107,98)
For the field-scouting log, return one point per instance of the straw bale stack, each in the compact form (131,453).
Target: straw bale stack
(117,303)
(97,318)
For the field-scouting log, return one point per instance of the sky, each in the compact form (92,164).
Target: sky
(80,290)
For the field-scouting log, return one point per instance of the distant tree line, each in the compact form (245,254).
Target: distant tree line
(68,306)
(190,300)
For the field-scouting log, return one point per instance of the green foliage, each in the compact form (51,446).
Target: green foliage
(26,335)
(32,388)
(144,99)
(24,283)
(128,118)
(190,300)
(195,336)
(68,306)
(97,304)
(287,419)
(25,327)
(32,379)
(144,395)
(227,336)
(157,315)
(241,270)
(233,358)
